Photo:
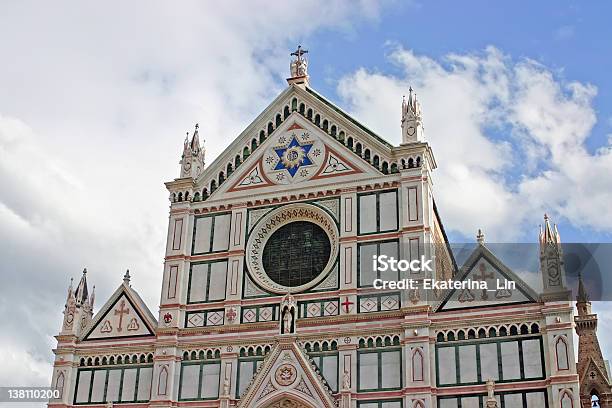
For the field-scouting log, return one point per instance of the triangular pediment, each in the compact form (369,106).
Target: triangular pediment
(483,266)
(593,374)
(123,315)
(243,166)
(287,373)
(297,154)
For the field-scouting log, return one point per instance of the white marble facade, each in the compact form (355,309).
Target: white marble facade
(296,206)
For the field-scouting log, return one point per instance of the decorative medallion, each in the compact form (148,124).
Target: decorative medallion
(302,229)
(285,375)
(335,165)
(295,156)
(106,327)
(252,178)
(231,314)
(167,318)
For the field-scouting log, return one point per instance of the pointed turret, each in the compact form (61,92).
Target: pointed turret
(548,234)
(78,309)
(192,160)
(583,304)
(81,293)
(551,260)
(412,123)
(92,297)
(591,366)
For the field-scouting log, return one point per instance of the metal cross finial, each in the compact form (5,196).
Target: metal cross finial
(299,52)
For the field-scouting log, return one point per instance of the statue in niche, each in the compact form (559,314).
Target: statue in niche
(346,380)
(491,401)
(226,387)
(288,314)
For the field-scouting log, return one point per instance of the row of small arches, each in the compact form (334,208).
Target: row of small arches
(487,332)
(379,341)
(317,346)
(350,142)
(253,351)
(246,152)
(118,359)
(201,354)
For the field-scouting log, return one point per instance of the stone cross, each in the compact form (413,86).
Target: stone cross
(298,53)
(121,311)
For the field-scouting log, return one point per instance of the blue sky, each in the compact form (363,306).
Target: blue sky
(96,99)
(570,38)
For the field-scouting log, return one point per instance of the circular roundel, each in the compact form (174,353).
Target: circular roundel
(292,248)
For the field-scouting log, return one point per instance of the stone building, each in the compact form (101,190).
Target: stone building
(268,296)
(594,371)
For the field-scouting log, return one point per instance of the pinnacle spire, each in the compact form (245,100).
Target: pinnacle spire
(480,237)
(92,298)
(126,277)
(412,121)
(582,296)
(81,292)
(192,159)
(549,234)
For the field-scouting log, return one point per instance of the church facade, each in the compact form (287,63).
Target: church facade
(270,300)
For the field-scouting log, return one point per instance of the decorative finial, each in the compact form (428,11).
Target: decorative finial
(298,53)
(480,237)
(126,277)
(84,271)
(583,296)
(299,67)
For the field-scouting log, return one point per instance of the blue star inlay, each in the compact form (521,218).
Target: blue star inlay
(294,156)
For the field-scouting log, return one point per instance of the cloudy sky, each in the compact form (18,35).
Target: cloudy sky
(95,100)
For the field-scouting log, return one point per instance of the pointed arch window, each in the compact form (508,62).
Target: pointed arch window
(162,383)
(59,385)
(566,400)
(562,354)
(417,365)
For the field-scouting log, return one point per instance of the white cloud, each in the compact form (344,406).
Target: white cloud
(508,137)
(94,104)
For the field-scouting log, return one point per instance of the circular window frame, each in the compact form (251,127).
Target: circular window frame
(276,219)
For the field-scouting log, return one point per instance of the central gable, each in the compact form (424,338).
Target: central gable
(350,149)
(296,153)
